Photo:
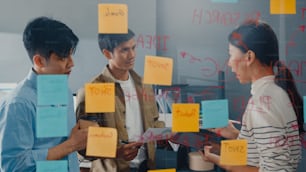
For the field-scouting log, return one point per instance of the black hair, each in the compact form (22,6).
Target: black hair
(111,41)
(45,36)
(259,37)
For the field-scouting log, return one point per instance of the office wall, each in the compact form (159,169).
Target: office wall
(81,16)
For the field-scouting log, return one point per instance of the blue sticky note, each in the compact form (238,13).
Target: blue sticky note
(214,113)
(304,107)
(225,1)
(52,166)
(52,121)
(52,89)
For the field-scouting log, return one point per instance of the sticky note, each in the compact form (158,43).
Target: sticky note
(51,166)
(225,1)
(101,142)
(233,152)
(283,6)
(164,170)
(112,18)
(185,117)
(304,108)
(51,121)
(99,97)
(52,90)
(158,70)
(214,113)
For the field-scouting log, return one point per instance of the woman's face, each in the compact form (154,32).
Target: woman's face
(238,63)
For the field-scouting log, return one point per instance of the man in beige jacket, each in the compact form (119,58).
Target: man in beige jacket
(135,106)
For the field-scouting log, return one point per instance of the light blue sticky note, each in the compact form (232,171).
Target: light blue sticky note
(52,89)
(225,1)
(51,121)
(52,166)
(214,113)
(304,107)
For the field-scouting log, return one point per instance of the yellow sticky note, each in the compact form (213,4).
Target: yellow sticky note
(164,170)
(99,97)
(158,70)
(283,6)
(185,117)
(112,18)
(233,152)
(101,142)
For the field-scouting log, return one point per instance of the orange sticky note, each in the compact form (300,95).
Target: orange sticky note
(112,18)
(283,6)
(101,142)
(233,152)
(158,70)
(99,97)
(185,117)
(164,170)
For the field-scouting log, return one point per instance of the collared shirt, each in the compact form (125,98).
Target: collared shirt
(19,146)
(270,126)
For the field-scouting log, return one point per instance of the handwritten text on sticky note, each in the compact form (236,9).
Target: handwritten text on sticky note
(112,18)
(185,117)
(101,142)
(233,152)
(158,70)
(99,97)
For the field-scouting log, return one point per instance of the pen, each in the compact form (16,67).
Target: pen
(235,122)
(124,142)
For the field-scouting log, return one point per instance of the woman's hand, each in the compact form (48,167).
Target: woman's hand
(229,132)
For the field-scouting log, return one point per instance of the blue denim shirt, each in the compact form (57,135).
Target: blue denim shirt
(19,148)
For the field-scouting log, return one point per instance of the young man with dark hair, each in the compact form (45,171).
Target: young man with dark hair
(50,45)
(135,106)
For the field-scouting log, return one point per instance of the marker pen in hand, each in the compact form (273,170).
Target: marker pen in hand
(124,142)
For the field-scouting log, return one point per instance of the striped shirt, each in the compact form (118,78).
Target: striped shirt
(270,126)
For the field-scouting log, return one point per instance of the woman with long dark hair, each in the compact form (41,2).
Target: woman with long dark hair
(273,119)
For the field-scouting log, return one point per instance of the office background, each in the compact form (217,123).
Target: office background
(192,32)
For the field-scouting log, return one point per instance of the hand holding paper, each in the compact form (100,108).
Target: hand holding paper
(128,151)
(155,134)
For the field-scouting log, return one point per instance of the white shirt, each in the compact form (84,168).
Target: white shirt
(133,120)
(270,126)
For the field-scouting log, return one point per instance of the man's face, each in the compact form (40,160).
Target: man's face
(123,56)
(57,65)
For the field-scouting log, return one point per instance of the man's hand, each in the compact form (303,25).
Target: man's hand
(78,137)
(128,151)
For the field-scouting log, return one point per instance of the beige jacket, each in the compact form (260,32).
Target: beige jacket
(116,119)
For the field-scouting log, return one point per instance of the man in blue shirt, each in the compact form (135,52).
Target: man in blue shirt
(50,45)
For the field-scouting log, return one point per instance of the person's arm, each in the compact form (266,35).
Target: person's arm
(18,151)
(228,132)
(77,141)
(279,147)
(17,137)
